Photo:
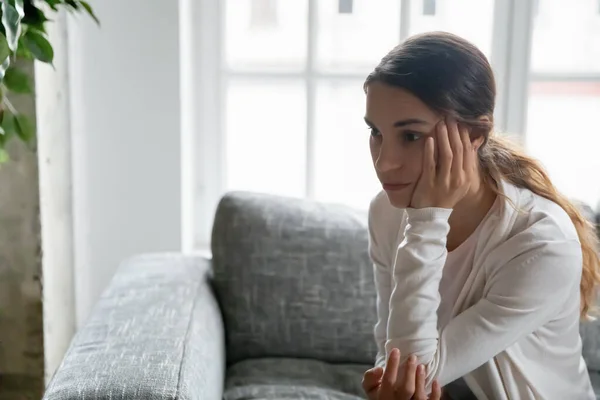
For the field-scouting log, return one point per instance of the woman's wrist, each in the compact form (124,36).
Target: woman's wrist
(428,214)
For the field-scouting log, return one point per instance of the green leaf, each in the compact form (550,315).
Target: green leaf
(17,81)
(23,52)
(24,127)
(39,46)
(34,17)
(89,10)
(19,6)
(8,124)
(4,157)
(4,67)
(53,4)
(11,19)
(4,49)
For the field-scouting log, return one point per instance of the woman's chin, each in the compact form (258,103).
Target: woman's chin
(399,200)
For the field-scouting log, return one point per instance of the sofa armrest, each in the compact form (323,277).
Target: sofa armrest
(156,333)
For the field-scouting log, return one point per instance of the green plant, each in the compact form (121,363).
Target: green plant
(23,37)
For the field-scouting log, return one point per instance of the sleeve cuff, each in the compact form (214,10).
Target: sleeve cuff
(428,214)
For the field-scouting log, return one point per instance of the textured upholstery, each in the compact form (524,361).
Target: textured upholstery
(595,377)
(590,331)
(293,279)
(590,334)
(288,378)
(155,334)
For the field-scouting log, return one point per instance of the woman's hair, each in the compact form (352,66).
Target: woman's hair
(454,78)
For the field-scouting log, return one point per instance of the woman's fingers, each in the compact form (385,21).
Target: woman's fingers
(428,173)
(444,152)
(408,386)
(390,375)
(372,379)
(456,145)
(436,391)
(420,393)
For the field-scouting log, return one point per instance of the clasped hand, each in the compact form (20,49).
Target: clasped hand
(380,384)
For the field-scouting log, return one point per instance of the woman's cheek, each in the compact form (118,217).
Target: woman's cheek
(374,148)
(416,160)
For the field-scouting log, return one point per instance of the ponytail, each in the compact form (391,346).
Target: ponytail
(502,159)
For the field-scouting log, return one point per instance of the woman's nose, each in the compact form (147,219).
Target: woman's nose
(388,159)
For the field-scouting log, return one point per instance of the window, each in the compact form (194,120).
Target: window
(345,6)
(429,7)
(568,89)
(263,14)
(293,113)
(286,101)
(564,97)
(471,19)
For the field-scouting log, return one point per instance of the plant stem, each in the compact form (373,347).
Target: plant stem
(10,107)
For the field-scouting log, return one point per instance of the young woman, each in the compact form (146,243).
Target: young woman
(483,269)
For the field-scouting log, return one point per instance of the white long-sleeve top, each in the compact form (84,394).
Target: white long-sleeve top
(514,330)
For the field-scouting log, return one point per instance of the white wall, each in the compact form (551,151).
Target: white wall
(125,124)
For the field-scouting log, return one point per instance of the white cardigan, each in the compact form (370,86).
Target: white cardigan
(514,332)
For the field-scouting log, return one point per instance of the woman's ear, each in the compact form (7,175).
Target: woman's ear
(480,134)
(477,142)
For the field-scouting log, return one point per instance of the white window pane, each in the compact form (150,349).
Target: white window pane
(561,134)
(470,19)
(344,171)
(266,34)
(355,41)
(566,39)
(266,137)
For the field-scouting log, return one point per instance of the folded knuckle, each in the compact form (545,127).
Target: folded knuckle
(407,391)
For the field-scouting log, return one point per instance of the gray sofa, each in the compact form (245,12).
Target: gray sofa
(284,310)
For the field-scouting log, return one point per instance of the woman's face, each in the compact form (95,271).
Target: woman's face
(399,124)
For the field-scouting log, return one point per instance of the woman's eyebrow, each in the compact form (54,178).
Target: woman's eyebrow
(410,121)
(401,123)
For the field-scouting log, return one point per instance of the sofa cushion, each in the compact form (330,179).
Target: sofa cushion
(590,336)
(284,378)
(293,279)
(595,377)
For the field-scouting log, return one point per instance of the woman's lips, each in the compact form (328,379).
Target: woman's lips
(395,186)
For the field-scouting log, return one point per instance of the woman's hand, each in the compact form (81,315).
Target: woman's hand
(445,183)
(385,385)
(372,382)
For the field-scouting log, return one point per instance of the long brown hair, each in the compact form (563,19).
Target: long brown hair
(453,77)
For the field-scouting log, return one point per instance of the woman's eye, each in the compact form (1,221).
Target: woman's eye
(374,132)
(412,136)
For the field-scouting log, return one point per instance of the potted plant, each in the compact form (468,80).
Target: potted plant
(23,38)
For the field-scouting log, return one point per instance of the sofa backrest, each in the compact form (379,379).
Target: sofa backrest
(590,335)
(293,279)
(590,330)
